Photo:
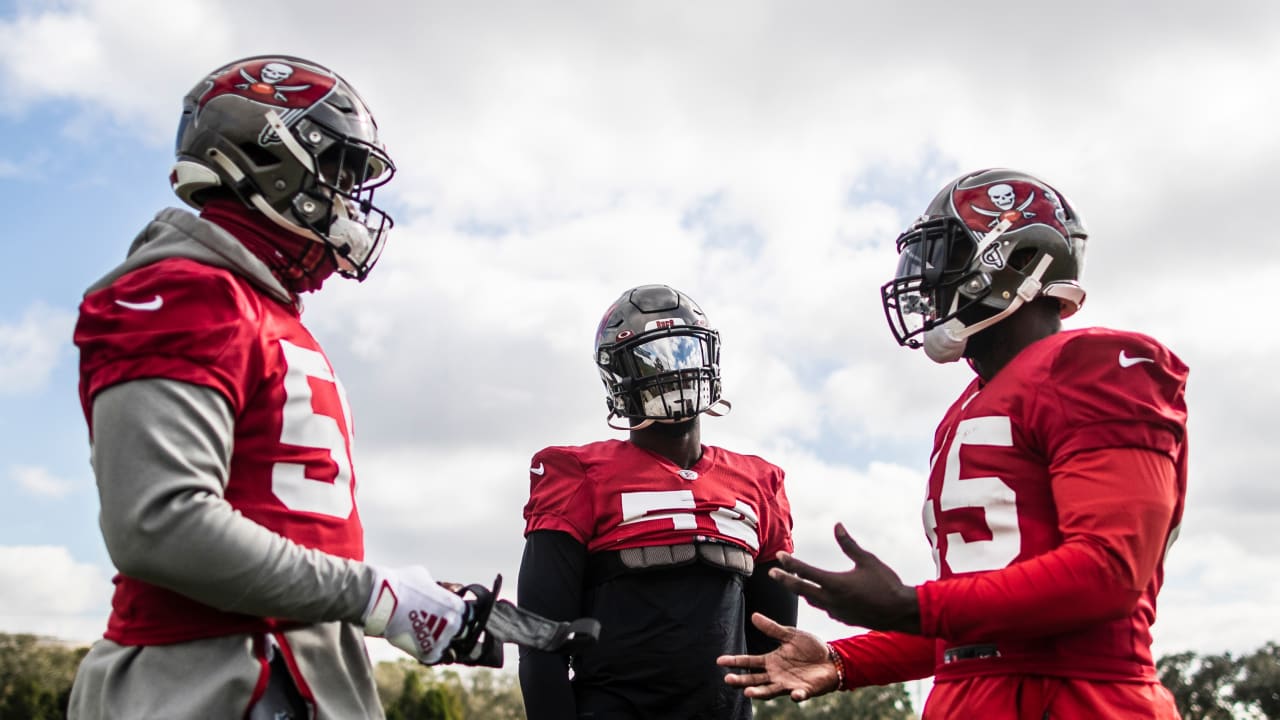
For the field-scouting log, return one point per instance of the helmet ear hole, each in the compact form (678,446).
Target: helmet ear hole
(1022,258)
(258,155)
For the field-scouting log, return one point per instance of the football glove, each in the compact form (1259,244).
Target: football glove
(413,612)
(474,645)
(490,622)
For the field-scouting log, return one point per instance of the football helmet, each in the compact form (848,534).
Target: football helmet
(658,358)
(291,139)
(989,242)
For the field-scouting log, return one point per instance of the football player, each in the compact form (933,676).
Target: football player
(664,540)
(221,437)
(1055,488)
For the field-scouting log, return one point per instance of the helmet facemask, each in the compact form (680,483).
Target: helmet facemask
(667,375)
(335,202)
(935,260)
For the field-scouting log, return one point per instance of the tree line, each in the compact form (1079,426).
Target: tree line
(36,675)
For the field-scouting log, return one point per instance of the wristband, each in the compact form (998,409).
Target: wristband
(838,663)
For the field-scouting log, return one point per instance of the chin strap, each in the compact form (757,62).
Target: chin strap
(988,240)
(1027,292)
(719,408)
(613,415)
(256,199)
(290,142)
(946,342)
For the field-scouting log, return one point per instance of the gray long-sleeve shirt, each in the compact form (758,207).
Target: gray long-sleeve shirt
(161,456)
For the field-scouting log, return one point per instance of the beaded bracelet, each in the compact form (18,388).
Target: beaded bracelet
(838,663)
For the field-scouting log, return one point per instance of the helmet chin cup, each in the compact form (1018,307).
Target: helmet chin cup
(350,239)
(719,408)
(943,344)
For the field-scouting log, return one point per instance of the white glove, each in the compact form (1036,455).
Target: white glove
(412,612)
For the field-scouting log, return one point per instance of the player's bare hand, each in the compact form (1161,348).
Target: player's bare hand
(799,667)
(870,595)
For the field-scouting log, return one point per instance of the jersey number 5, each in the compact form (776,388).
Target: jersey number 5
(989,494)
(678,506)
(304,427)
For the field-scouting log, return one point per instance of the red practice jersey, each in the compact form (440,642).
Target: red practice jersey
(291,468)
(613,495)
(1054,492)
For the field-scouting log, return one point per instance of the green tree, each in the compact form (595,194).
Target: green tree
(1258,685)
(1200,684)
(35,677)
(407,687)
(423,700)
(493,696)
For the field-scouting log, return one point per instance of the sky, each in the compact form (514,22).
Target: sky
(760,156)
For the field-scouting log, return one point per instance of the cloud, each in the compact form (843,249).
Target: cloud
(31,347)
(126,58)
(45,591)
(1217,595)
(39,481)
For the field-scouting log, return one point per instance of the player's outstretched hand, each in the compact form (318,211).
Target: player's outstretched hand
(800,667)
(413,612)
(870,595)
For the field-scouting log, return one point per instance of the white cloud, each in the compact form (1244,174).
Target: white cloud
(31,347)
(39,481)
(1219,594)
(128,57)
(44,590)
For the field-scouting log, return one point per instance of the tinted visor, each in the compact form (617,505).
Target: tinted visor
(672,374)
(670,353)
(934,259)
(935,252)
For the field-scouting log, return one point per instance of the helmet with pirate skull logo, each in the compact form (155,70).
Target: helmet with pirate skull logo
(292,140)
(989,242)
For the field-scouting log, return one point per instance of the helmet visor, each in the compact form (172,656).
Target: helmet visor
(674,376)
(670,353)
(934,259)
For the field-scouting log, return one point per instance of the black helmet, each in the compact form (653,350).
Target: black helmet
(292,140)
(658,358)
(989,241)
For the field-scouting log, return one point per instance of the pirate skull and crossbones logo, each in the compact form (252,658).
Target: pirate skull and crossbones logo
(268,82)
(1003,196)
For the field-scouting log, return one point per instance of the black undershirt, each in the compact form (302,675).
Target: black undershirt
(661,630)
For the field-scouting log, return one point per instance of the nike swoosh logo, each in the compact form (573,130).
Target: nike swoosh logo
(540,470)
(151,305)
(1126,361)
